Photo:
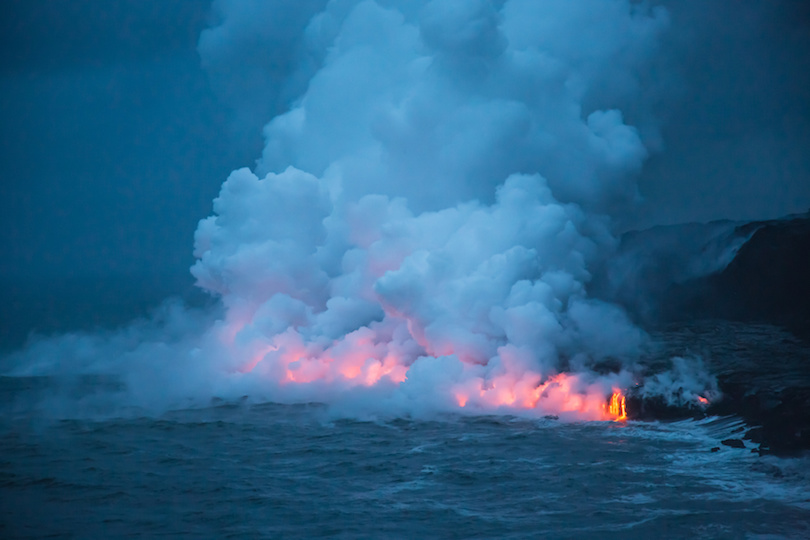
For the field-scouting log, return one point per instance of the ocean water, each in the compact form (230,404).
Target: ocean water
(266,470)
(287,471)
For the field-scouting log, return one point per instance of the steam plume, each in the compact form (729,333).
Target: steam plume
(421,228)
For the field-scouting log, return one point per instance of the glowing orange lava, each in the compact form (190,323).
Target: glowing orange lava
(702,400)
(461,399)
(616,408)
(365,358)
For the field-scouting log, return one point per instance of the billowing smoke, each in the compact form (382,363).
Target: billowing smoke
(422,227)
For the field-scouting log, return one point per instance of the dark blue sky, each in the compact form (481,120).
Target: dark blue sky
(113,147)
(114,144)
(737,135)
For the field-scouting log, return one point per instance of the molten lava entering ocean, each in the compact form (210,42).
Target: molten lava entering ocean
(427,214)
(360,361)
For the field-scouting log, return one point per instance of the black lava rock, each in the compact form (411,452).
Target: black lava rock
(768,281)
(733,443)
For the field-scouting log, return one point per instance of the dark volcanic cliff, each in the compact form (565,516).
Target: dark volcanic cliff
(768,281)
(732,316)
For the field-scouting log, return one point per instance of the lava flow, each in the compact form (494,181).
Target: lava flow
(360,360)
(616,408)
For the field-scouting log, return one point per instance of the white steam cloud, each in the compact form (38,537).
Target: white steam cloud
(420,231)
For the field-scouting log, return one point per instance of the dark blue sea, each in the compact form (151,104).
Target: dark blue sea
(264,470)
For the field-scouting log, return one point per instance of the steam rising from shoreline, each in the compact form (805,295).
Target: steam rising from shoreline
(422,226)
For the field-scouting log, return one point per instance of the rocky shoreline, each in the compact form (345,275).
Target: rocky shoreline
(749,322)
(778,424)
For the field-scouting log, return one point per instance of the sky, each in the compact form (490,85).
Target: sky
(736,136)
(113,143)
(113,146)
(117,136)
